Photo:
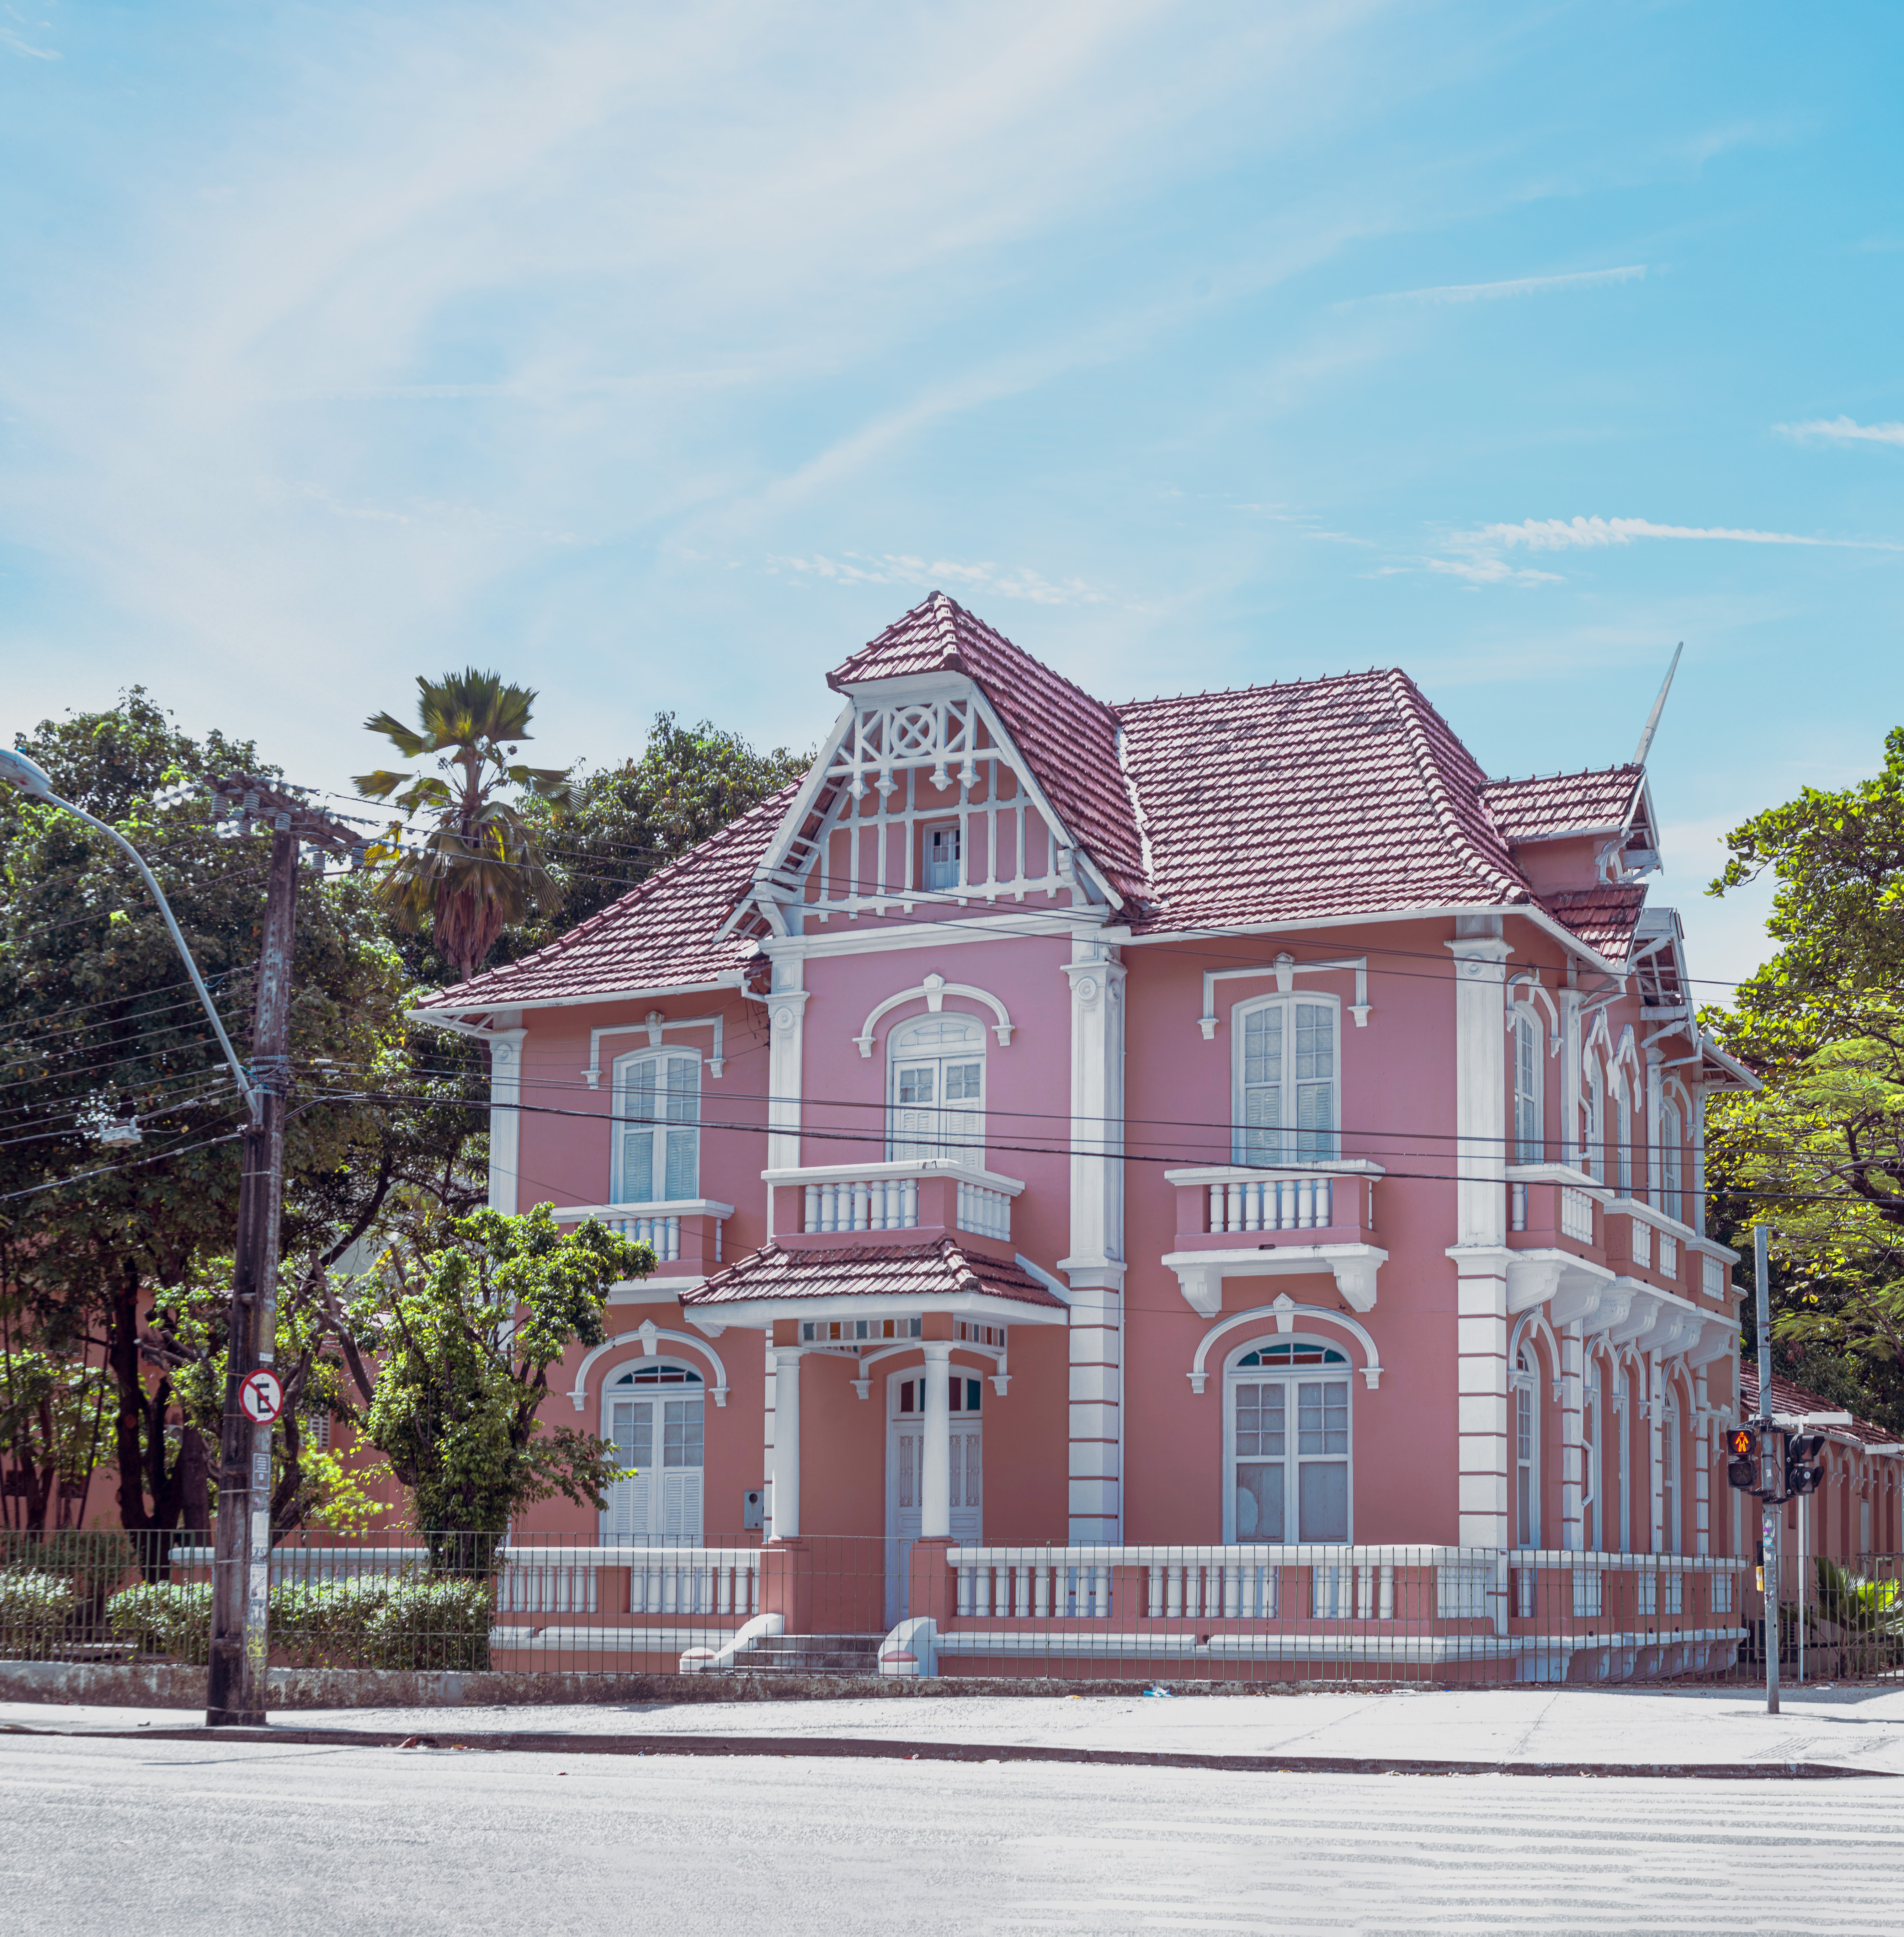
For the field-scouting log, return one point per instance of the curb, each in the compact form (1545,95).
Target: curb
(875,1749)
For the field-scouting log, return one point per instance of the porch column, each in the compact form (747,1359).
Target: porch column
(935,1455)
(787,1442)
(1573,1402)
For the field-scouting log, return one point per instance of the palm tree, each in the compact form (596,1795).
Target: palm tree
(477,869)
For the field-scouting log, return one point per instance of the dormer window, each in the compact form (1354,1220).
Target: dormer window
(657,1127)
(942,857)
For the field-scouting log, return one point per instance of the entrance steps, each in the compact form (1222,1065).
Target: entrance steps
(812,1654)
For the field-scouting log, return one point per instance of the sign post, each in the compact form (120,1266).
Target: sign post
(1772,1473)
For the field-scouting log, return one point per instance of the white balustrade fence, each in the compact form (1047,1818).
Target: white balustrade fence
(524,1588)
(986,1212)
(865,1204)
(1033,1589)
(694,1580)
(662,1234)
(1277,1203)
(1576,1215)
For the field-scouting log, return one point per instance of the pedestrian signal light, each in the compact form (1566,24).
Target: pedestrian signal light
(1743,1467)
(1804,1469)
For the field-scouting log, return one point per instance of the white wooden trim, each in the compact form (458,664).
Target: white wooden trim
(652,1027)
(648,1336)
(1292,1462)
(935,988)
(1286,968)
(1284,1315)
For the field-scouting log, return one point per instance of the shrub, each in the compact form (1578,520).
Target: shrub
(36,1610)
(168,1618)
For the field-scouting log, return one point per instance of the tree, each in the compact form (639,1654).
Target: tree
(1819,1152)
(480,868)
(622,822)
(450,1344)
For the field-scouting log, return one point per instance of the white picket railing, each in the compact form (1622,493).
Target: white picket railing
(661,1580)
(662,1234)
(986,1212)
(863,1204)
(885,1196)
(1275,1203)
(1576,1215)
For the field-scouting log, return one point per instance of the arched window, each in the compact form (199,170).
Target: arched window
(1623,1156)
(653,1411)
(1527,1452)
(1591,1435)
(1594,1107)
(1673,1130)
(1528,1144)
(1286,1088)
(1621,1479)
(937,1089)
(1286,1421)
(657,1134)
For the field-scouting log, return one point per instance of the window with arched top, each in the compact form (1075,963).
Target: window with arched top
(1670,1501)
(1624,1153)
(936,1078)
(1528,1145)
(1286,1404)
(653,1413)
(1594,1126)
(657,1126)
(1288,1084)
(1672,1131)
(1526,1450)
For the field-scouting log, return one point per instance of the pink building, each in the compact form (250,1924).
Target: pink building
(1215,1179)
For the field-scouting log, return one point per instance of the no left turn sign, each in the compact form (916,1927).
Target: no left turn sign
(262,1396)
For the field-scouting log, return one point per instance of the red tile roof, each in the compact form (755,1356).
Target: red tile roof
(1069,739)
(1551,805)
(658,935)
(939,1269)
(1603,917)
(1323,797)
(1795,1402)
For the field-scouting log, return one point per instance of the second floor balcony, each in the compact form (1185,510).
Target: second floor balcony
(917,1198)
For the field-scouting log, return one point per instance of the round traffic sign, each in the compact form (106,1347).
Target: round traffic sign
(262,1396)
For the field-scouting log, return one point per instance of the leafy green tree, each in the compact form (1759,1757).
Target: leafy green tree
(479,868)
(1818,1154)
(622,822)
(52,1416)
(450,1342)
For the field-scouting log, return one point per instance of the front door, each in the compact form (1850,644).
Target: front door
(906,1439)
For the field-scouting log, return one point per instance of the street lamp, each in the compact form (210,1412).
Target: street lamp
(31,779)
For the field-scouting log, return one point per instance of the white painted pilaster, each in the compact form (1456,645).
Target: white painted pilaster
(786,1022)
(1656,1449)
(1095,1264)
(935,1450)
(505,1116)
(1573,1405)
(1480,1205)
(1654,1080)
(1702,1466)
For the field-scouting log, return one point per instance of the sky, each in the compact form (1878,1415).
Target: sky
(657,356)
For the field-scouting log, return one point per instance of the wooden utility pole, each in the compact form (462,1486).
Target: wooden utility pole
(236,1685)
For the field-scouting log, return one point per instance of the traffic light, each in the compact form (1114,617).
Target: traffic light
(1804,1470)
(1743,1469)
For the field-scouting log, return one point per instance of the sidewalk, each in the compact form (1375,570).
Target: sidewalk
(1857,1729)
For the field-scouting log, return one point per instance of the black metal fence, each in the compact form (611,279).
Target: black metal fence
(532,1604)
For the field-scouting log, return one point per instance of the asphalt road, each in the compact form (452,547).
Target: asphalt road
(162,1837)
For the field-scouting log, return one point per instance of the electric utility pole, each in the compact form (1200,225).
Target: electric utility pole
(236,1685)
(1770,1475)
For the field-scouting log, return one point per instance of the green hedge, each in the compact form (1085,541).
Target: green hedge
(36,1610)
(383,1620)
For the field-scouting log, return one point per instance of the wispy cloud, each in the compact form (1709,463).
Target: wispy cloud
(1518,286)
(1587,534)
(1485,570)
(1844,430)
(898,568)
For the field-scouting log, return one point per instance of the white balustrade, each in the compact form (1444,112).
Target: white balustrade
(663,1235)
(1668,1256)
(1275,1203)
(524,1588)
(986,1212)
(690,1580)
(1576,1215)
(865,1204)
(1032,1590)
(1642,1243)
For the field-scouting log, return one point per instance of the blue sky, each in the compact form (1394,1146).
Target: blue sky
(657,356)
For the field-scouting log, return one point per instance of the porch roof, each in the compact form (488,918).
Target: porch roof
(917,1277)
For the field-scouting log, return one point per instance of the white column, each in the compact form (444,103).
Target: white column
(1570,1149)
(505,1119)
(1480,1214)
(935,1454)
(768,1385)
(1653,1079)
(1094,1264)
(1702,1466)
(1655,1449)
(1573,1405)
(785,1010)
(786,1442)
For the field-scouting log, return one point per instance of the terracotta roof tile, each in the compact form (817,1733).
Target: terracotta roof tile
(867,1271)
(660,934)
(1554,804)
(1794,1401)
(1603,917)
(1322,797)
(1069,739)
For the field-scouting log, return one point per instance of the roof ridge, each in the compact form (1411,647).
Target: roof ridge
(1413,702)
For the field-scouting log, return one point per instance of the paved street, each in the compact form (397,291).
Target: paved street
(165,1837)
